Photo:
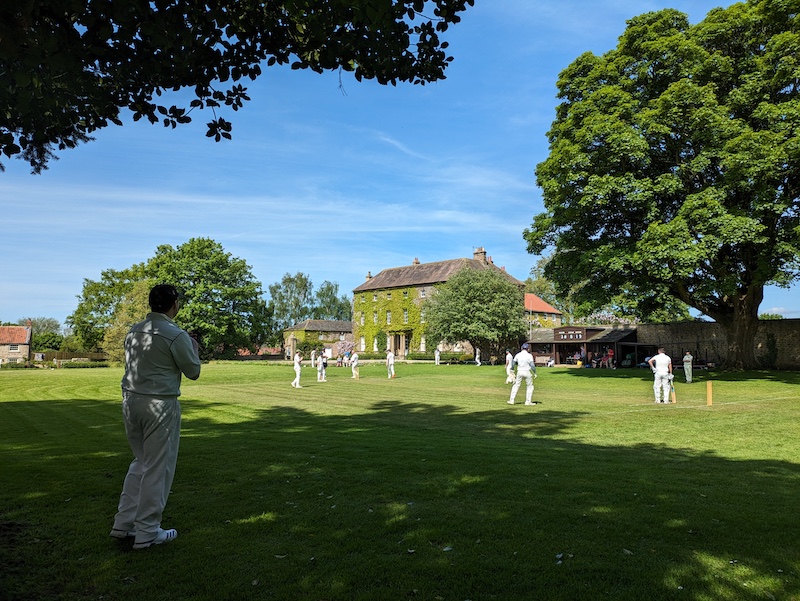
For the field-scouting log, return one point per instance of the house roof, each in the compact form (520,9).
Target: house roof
(15,335)
(322,325)
(421,274)
(613,334)
(537,305)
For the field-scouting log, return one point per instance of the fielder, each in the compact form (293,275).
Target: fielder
(526,369)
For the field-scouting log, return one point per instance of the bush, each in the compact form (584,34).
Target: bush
(16,365)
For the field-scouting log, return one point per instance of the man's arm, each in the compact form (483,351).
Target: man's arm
(185,351)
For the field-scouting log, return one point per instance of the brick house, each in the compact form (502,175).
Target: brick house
(15,344)
(389,308)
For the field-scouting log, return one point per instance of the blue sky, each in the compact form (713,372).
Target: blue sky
(333,183)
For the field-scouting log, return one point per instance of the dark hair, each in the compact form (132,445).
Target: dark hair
(162,297)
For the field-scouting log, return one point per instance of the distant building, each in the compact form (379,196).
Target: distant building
(323,333)
(15,344)
(540,314)
(389,308)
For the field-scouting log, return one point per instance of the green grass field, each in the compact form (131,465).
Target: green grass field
(426,487)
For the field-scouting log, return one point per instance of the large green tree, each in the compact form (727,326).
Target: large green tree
(674,167)
(222,302)
(292,299)
(329,304)
(67,67)
(482,306)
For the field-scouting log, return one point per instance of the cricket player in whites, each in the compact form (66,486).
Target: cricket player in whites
(526,369)
(661,365)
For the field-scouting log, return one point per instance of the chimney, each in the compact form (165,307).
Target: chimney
(416,261)
(369,276)
(479,254)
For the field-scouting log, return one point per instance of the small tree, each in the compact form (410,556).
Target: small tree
(484,307)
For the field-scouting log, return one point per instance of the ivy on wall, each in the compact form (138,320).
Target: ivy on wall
(394,300)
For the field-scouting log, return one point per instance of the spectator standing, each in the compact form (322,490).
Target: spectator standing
(354,365)
(437,356)
(157,353)
(390,363)
(478,357)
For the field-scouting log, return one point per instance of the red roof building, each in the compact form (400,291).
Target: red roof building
(15,344)
(541,314)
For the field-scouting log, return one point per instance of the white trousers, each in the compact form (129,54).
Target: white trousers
(661,384)
(153,426)
(296,381)
(687,371)
(528,377)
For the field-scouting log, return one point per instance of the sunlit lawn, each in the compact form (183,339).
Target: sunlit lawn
(428,486)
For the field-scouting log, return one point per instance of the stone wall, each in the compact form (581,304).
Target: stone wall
(778,338)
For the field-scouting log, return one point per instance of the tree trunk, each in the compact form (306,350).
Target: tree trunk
(741,326)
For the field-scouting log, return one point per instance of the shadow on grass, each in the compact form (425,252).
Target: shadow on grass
(785,377)
(403,501)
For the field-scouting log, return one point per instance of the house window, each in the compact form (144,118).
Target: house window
(14,348)
(388,296)
(362,319)
(422,344)
(363,298)
(388,318)
(422,316)
(341,336)
(374,345)
(405,293)
(375,296)
(375,317)
(405,315)
(422,292)
(363,344)
(322,337)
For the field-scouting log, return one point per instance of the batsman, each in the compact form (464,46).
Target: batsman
(661,364)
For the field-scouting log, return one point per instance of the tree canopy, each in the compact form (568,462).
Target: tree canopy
(330,305)
(674,167)
(69,66)
(293,300)
(482,306)
(222,302)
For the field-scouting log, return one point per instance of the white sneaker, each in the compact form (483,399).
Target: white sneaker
(163,536)
(510,402)
(529,403)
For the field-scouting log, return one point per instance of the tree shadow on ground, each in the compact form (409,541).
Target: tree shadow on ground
(699,375)
(407,500)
